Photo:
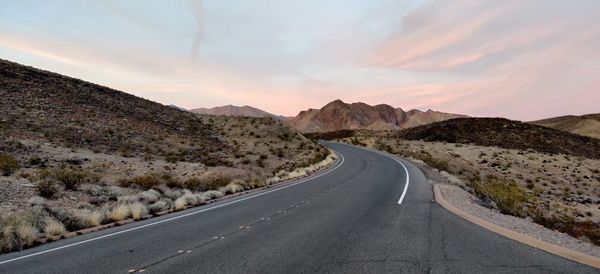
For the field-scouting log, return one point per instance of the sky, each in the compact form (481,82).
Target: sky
(520,59)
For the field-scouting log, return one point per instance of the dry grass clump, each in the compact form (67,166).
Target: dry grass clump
(207,182)
(508,196)
(138,210)
(8,164)
(252,184)
(147,181)
(87,217)
(190,199)
(158,207)
(118,213)
(231,188)
(212,194)
(71,178)
(47,188)
(17,231)
(283,175)
(53,227)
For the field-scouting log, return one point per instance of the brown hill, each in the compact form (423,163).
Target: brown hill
(587,125)
(45,106)
(505,133)
(230,110)
(338,115)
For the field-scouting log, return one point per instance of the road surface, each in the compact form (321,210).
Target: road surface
(347,220)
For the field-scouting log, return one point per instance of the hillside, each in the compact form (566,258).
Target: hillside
(587,125)
(44,106)
(73,153)
(338,115)
(505,133)
(230,110)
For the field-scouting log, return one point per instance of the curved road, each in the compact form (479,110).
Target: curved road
(347,220)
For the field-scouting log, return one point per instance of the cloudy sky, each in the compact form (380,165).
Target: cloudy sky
(519,59)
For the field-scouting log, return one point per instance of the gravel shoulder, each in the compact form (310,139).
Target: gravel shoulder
(465,201)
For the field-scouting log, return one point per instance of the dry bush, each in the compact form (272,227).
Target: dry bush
(147,181)
(47,188)
(212,194)
(88,218)
(53,227)
(158,207)
(149,196)
(71,178)
(118,213)
(216,181)
(231,188)
(138,210)
(190,199)
(251,184)
(508,196)
(17,231)
(8,164)
(180,203)
(439,164)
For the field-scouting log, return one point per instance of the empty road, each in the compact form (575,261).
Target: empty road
(347,220)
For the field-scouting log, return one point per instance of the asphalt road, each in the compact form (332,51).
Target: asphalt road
(348,220)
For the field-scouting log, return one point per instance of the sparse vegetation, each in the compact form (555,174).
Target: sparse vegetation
(102,155)
(8,164)
(507,196)
(53,227)
(17,231)
(47,188)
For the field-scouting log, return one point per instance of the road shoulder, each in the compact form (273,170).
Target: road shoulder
(457,201)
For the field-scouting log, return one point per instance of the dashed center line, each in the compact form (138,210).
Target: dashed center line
(240,228)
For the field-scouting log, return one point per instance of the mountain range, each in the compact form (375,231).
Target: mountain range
(338,115)
(587,125)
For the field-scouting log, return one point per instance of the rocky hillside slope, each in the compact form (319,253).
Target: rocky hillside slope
(45,106)
(504,133)
(338,115)
(587,125)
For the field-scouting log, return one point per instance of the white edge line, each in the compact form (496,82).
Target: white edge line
(172,218)
(405,170)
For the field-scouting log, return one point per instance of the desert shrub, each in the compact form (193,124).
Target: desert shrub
(565,221)
(180,203)
(508,196)
(47,188)
(17,231)
(35,161)
(138,210)
(36,201)
(149,196)
(208,182)
(212,194)
(8,164)
(231,188)
(71,178)
(158,207)
(189,199)
(250,184)
(145,181)
(87,217)
(53,227)
(118,213)
(439,164)
(194,183)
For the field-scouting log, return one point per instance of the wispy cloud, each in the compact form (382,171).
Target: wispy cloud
(520,59)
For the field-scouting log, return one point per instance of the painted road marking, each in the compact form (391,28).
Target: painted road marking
(173,218)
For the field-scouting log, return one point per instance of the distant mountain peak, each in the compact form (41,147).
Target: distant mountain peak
(338,115)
